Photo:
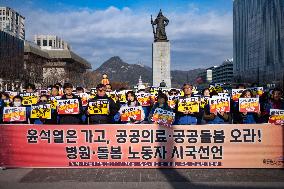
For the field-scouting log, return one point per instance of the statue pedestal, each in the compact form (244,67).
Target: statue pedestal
(161,60)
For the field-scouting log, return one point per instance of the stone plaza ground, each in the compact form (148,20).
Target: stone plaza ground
(141,178)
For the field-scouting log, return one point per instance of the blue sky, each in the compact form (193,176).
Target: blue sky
(200,31)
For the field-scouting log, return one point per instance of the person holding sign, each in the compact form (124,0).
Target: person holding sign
(275,102)
(101,109)
(162,103)
(245,117)
(4,102)
(64,116)
(187,117)
(218,117)
(131,112)
(84,99)
(43,113)
(146,109)
(17,113)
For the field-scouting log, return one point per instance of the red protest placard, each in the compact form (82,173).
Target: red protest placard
(219,104)
(68,106)
(172,100)
(144,99)
(84,98)
(14,114)
(131,113)
(249,105)
(236,93)
(276,117)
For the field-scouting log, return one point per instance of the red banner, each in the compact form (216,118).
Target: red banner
(142,146)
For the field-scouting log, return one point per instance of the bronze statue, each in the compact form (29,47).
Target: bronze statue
(161,21)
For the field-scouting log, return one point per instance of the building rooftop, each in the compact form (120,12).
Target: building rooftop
(56,54)
(67,54)
(32,48)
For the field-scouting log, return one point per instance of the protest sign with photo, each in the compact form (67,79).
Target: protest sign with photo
(53,101)
(99,107)
(42,111)
(121,96)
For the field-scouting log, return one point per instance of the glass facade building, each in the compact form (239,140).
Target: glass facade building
(259,41)
(11,60)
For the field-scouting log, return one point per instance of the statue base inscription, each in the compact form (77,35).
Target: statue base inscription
(161,60)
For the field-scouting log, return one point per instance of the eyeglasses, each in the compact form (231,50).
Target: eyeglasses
(101,90)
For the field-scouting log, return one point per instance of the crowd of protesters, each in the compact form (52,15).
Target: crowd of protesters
(270,99)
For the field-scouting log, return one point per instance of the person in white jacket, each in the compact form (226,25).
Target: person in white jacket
(131,105)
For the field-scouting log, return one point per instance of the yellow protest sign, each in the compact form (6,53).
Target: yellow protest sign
(121,96)
(190,104)
(53,101)
(29,98)
(204,101)
(41,111)
(99,107)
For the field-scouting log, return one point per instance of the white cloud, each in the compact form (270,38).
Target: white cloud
(198,39)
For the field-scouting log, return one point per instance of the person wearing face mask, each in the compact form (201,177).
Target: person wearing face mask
(112,107)
(43,99)
(17,102)
(131,102)
(162,102)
